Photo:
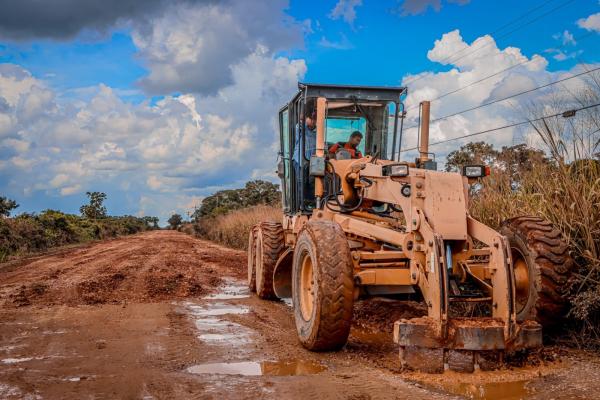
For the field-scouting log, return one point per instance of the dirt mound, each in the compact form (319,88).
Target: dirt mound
(24,295)
(98,290)
(166,284)
(380,314)
(156,266)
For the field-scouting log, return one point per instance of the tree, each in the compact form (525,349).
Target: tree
(95,209)
(260,192)
(515,161)
(471,153)
(151,222)
(174,221)
(6,206)
(254,193)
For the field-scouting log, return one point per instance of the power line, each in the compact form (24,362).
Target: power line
(448,59)
(509,97)
(577,39)
(564,113)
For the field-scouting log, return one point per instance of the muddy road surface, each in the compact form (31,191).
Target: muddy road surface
(162,315)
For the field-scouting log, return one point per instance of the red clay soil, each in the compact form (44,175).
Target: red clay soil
(130,318)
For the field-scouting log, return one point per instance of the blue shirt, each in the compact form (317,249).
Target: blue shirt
(310,148)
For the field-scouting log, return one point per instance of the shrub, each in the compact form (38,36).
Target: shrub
(232,229)
(27,233)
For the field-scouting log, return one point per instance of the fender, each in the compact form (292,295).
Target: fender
(282,275)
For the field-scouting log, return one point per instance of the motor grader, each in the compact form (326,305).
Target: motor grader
(381,227)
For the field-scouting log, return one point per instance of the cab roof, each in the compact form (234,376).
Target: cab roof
(351,92)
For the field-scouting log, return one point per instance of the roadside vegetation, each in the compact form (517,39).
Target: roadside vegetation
(561,183)
(29,232)
(227,216)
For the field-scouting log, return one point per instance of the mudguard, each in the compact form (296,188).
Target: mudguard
(282,276)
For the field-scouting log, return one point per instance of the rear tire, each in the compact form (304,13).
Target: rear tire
(543,268)
(323,286)
(252,259)
(269,244)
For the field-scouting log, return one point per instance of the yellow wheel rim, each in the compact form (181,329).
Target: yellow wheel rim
(307,287)
(521,279)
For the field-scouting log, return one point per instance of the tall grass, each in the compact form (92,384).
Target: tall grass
(232,229)
(565,191)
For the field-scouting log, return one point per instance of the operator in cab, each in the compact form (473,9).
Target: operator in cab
(305,146)
(351,146)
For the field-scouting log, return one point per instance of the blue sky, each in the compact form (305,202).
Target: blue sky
(160,105)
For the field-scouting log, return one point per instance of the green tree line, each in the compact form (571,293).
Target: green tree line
(30,232)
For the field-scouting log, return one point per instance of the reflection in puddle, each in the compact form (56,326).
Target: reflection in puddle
(515,390)
(231,290)
(250,368)
(224,337)
(17,360)
(216,309)
(218,331)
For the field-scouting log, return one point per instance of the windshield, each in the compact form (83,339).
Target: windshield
(339,130)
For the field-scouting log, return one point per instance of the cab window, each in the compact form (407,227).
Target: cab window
(339,130)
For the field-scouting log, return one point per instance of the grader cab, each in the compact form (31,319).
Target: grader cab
(377,226)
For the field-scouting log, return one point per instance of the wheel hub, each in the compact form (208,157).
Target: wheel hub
(307,295)
(521,279)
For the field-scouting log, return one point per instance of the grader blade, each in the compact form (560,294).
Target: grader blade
(468,345)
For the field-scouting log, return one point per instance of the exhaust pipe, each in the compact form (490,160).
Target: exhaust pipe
(424,139)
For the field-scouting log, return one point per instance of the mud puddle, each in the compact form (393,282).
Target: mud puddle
(494,385)
(232,289)
(219,331)
(252,368)
(490,391)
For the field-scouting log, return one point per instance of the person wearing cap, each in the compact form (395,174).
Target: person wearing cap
(351,146)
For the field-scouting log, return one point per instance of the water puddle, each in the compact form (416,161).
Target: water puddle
(251,368)
(229,291)
(219,331)
(490,391)
(19,360)
(216,309)
(230,338)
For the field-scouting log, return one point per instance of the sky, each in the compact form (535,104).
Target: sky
(160,103)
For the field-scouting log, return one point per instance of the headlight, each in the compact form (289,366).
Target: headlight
(475,171)
(396,170)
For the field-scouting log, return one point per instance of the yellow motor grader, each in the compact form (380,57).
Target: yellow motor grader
(377,226)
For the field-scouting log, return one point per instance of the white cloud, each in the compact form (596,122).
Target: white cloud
(69,190)
(567,38)
(193,47)
(345,9)
(591,23)
(342,44)
(478,60)
(414,7)
(180,144)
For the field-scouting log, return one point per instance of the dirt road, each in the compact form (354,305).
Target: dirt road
(162,315)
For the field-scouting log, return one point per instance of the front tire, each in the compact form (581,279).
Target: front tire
(542,267)
(323,286)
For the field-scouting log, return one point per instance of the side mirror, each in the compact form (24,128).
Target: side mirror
(280,169)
